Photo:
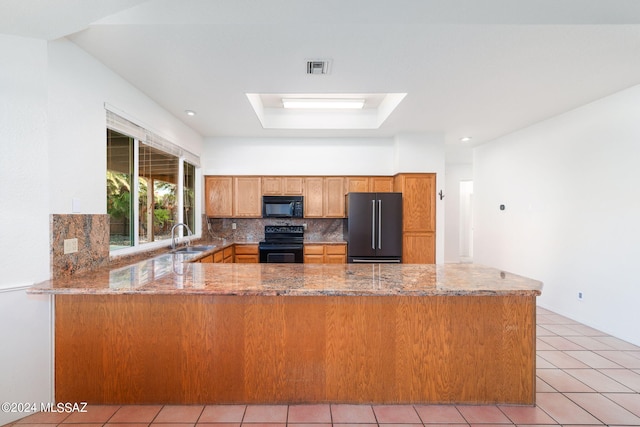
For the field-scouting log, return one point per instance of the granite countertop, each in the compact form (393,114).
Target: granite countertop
(174,274)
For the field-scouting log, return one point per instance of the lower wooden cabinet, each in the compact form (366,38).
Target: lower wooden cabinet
(227,254)
(418,248)
(246,253)
(325,253)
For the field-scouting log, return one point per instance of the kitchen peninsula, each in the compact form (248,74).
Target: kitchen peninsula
(169,331)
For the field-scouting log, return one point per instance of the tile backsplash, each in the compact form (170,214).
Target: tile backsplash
(252,229)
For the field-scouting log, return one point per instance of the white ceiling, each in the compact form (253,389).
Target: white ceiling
(469,67)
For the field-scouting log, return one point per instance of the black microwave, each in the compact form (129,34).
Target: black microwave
(282,207)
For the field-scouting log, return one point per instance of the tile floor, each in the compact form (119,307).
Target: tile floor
(585,378)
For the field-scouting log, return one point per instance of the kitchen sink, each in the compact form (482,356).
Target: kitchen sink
(193,249)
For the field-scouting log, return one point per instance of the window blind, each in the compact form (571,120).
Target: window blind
(122,125)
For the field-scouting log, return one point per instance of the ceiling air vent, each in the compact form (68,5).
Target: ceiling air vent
(318,66)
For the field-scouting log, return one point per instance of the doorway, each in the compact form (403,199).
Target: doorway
(466,222)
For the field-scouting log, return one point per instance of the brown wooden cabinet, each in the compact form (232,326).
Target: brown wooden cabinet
(419,216)
(282,185)
(271,185)
(292,185)
(357,184)
(247,197)
(335,254)
(227,254)
(334,197)
(381,184)
(372,184)
(313,197)
(324,197)
(246,253)
(218,196)
(207,259)
(325,253)
(313,254)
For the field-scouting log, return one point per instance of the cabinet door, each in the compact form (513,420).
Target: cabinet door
(271,185)
(292,185)
(218,196)
(247,202)
(207,259)
(334,197)
(419,195)
(357,184)
(381,184)
(335,254)
(313,197)
(227,254)
(247,254)
(419,248)
(313,254)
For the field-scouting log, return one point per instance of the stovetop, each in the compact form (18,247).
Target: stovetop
(283,234)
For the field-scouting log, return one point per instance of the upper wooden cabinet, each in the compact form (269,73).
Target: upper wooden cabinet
(324,197)
(418,201)
(314,197)
(282,185)
(381,184)
(247,197)
(371,184)
(271,185)
(218,196)
(292,185)
(334,197)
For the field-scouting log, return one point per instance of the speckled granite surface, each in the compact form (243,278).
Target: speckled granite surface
(92,232)
(173,274)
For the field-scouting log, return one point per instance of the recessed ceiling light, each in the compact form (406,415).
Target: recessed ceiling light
(190,113)
(321,103)
(465,139)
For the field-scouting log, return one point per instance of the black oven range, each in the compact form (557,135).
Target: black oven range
(282,244)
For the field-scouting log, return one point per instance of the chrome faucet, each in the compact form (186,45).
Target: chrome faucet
(173,229)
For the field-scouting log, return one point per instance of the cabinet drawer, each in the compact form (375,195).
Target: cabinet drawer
(246,249)
(207,259)
(336,249)
(217,257)
(313,249)
(228,252)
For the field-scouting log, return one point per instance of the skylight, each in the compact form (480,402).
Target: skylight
(324,111)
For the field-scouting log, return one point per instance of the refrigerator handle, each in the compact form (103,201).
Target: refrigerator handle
(379,224)
(373,224)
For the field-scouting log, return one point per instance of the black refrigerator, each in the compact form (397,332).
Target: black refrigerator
(374,227)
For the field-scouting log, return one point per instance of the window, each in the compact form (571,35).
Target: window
(151,186)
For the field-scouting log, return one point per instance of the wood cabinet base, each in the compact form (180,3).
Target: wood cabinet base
(170,349)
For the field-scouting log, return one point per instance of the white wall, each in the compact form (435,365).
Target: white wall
(79,87)
(298,156)
(25,327)
(571,188)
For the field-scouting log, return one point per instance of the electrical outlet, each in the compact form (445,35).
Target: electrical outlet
(233,226)
(580,296)
(70,246)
